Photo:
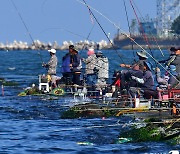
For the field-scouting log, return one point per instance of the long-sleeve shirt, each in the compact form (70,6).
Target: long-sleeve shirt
(52,64)
(102,66)
(148,80)
(176,62)
(76,63)
(90,62)
(162,80)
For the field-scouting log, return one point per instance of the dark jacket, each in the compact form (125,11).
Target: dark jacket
(176,62)
(76,63)
(148,80)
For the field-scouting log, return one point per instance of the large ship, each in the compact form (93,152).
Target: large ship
(153,33)
(154,42)
(146,37)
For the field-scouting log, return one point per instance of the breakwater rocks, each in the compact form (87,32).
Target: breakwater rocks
(38,45)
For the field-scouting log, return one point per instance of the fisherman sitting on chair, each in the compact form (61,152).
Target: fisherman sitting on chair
(136,69)
(51,65)
(147,82)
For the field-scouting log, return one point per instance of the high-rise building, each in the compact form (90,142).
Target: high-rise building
(167,12)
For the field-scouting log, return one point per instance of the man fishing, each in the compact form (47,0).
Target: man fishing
(51,66)
(67,66)
(76,65)
(90,62)
(174,61)
(147,82)
(102,68)
(142,58)
(71,66)
(136,69)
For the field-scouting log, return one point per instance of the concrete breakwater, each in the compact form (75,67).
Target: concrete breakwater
(38,45)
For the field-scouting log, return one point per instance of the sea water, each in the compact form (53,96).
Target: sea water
(33,124)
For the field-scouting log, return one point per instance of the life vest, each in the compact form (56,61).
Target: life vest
(65,64)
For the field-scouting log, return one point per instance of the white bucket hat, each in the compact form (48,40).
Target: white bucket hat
(52,51)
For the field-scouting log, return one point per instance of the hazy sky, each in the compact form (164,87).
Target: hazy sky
(60,20)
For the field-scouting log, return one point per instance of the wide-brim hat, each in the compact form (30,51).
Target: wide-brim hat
(142,54)
(52,51)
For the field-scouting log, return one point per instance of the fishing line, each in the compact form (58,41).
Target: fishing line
(89,35)
(42,6)
(86,38)
(66,30)
(128,36)
(29,34)
(151,32)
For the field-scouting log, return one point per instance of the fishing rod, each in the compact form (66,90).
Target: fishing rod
(128,36)
(144,35)
(128,26)
(29,34)
(102,29)
(150,31)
